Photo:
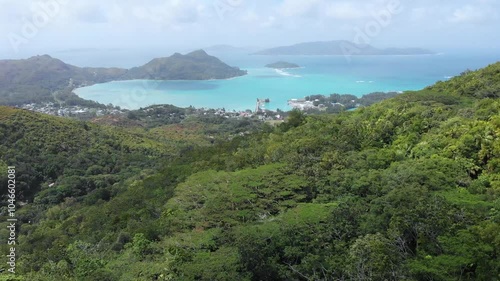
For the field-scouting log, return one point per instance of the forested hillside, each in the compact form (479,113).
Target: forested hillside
(197,65)
(42,79)
(36,79)
(406,189)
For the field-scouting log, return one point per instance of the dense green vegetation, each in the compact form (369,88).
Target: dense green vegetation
(336,103)
(197,65)
(405,189)
(36,79)
(80,156)
(185,125)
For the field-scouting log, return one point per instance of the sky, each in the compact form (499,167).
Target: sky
(43,26)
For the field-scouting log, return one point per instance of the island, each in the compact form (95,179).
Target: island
(282,65)
(339,47)
(197,65)
(42,78)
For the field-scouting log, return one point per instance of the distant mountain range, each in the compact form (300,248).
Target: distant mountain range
(340,47)
(36,78)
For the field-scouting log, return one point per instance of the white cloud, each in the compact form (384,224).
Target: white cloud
(347,11)
(116,14)
(250,17)
(269,22)
(292,8)
(92,14)
(418,14)
(122,22)
(473,14)
(173,12)
(253,19)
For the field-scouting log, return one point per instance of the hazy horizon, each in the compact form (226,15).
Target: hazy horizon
(51,26)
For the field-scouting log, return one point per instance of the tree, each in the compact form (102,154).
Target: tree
(373,257)
(295,119)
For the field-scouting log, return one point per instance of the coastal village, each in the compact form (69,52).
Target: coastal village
(259,113)
(86,113)
(333,103)
(303,104)
(76,111)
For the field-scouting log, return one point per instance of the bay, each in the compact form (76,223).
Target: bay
(325,75)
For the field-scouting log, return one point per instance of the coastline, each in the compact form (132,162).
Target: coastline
(320,76)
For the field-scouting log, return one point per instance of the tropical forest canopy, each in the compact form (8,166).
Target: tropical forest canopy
(405,189)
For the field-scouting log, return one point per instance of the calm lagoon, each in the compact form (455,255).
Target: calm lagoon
(318,75)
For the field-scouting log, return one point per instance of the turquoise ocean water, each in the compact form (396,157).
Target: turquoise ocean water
(317,75)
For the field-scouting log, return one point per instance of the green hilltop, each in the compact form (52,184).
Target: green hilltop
(197,65)
(37,78)
(405,189)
